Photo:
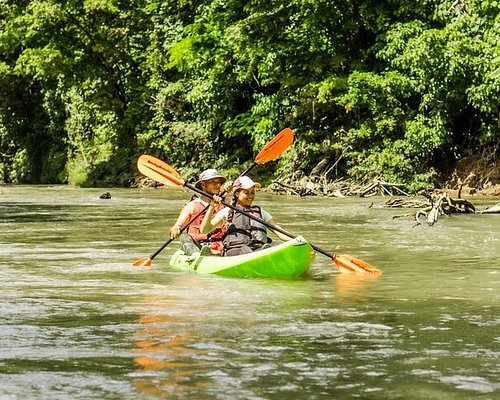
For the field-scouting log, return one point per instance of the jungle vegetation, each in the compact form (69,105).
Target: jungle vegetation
(379,88)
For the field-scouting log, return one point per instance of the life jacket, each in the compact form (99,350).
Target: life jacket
(214,238)
(245,231)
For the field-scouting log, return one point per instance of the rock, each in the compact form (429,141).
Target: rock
(106,195)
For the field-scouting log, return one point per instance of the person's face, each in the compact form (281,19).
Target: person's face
(212,186)
(246,197)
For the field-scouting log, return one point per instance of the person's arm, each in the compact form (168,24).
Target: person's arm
(209,224)
(267,217)
(182,220)
(279,234)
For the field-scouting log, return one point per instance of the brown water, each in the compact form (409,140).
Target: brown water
(78,321)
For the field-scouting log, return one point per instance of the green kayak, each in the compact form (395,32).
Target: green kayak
(290,259)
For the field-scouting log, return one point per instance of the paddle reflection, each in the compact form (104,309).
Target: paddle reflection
(354,284)
(164,360)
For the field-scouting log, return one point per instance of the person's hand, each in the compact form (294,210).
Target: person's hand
(216,200)
(175,232)
(227,187)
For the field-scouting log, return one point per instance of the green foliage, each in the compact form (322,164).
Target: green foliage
(175,137)
(18,167)
(91,134)
(380,88)
(81,60)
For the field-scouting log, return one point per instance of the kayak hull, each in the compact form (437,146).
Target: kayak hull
(290,259)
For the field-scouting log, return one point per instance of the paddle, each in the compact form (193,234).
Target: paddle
(272,150)
(165,174)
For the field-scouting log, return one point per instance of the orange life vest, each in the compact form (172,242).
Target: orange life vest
(214,238)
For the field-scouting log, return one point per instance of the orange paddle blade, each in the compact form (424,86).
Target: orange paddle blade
(350,264)
(275,147)
(159,171)
(143,262)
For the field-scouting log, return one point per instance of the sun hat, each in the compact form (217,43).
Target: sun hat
(207,175)
(244,182)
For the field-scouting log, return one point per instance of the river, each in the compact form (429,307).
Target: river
(78,321)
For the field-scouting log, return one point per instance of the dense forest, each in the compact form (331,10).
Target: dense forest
(399,90)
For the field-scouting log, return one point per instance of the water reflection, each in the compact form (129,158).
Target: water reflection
(159,354)
(355,285)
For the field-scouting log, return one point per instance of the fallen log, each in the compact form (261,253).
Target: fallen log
(491,210)
(442,204)
(436,205)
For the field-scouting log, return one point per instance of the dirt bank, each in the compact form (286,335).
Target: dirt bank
(476,175)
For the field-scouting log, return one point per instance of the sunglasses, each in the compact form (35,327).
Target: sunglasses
(214,182)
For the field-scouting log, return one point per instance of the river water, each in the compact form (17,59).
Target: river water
(77,321)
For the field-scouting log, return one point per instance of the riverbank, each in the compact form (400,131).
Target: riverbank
(474,175)
(471,176)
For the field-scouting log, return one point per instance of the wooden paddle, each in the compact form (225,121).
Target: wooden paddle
(272,150)
(165,174)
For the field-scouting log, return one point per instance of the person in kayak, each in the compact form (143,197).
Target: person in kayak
(194,241)
(242,234)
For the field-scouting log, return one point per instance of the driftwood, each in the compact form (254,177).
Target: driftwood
(400,203)
(437,204)
(442,204)
(491,210)
(322,182)
(315,185)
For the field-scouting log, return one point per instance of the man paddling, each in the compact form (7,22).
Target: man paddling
(211,182)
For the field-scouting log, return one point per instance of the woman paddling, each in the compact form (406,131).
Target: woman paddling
(243,235)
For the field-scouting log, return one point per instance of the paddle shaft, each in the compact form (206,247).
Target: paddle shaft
(257,219)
